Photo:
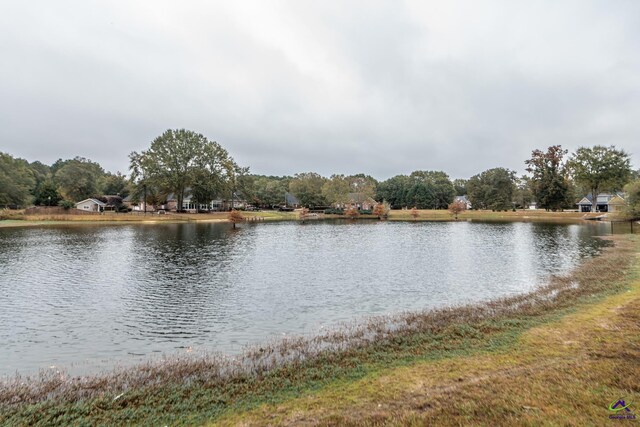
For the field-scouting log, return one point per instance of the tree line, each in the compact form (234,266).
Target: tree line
(184,163)
(71,180)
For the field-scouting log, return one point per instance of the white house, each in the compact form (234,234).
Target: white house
(464,200)
(91,205)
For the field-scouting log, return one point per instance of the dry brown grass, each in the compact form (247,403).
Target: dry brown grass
(19,219)
(486,215)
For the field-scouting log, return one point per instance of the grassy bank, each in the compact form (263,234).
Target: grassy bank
(563,367)
(485,215)
(564,342)
(18,219)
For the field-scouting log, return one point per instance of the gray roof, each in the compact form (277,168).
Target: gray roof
(290,199)
(603,198)
(96,201)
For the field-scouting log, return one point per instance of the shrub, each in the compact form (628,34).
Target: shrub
(334,211)
(352,212)
(66,204)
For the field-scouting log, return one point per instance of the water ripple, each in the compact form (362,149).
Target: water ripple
(82,295)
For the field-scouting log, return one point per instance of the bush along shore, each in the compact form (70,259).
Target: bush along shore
(266,384)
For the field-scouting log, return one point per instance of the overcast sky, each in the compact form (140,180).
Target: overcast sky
(382,88)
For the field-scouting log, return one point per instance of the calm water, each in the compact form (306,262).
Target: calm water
(87,297)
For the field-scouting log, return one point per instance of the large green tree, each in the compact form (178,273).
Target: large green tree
(632,208)
(307,187)
(599,168)
(269,191)
(421,189)
(492,189)
(115,184)
(78,179)
(46,194)
(336,189)
(436,186)
(394,190)
(179,159)
(523,193)
(460,185)
(239,184)
(214,174)
(16,181)
(365,185)
(549,177)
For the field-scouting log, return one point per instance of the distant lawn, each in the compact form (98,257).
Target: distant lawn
(518,215)
(17,218)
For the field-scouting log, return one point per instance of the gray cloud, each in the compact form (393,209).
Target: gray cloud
(376,87)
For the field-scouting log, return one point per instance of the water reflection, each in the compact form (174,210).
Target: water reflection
(81,295)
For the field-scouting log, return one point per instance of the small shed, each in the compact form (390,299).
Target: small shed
(91,205)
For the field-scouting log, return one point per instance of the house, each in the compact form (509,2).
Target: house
(616,204)
(189,205)
(533,206)
(603,203)
(138,206)
(291,201)
(112,202)
(359,200)
(464,200)
(91,205)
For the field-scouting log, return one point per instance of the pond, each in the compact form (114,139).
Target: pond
(88,297)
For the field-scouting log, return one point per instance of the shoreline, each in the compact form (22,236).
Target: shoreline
(19,220)
(565,369)
(376,344)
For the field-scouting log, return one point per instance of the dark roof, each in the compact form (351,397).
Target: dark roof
(360,197)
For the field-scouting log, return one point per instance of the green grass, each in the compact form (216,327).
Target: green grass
(288,381)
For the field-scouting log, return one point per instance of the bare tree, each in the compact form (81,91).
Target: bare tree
(379,210)
(457,207)
(303,214)
(352,212)
(235,217)
(414,213)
